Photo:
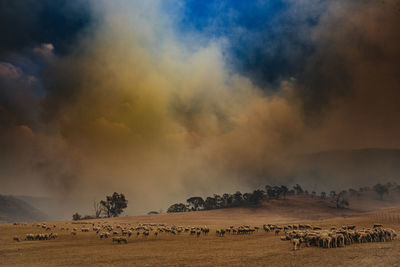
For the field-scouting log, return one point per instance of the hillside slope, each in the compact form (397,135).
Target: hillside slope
(13,209)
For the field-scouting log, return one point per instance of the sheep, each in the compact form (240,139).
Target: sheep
(221,232)
(30,237)
(53,236)
(104,235)
(296,243)
(119,240)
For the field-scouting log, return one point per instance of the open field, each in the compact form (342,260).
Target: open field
(258,249)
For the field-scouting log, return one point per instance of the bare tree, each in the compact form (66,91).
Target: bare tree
(97,208)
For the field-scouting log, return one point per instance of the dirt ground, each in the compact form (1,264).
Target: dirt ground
(258,249)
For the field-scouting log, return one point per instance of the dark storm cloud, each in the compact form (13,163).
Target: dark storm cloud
(29,23)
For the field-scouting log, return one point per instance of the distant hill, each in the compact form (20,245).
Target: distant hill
(13,209)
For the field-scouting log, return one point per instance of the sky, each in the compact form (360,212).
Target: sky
(163,100)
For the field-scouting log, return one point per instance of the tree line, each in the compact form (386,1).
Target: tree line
(339,199)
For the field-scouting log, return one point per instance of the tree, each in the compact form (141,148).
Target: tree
(323,195)
(152,212)
(219,201)
(298,189)
(284,191)
(237,198)
(228,199)
(195,203)
(76,216)
(273,192)
(332,194)
(381,190)
(97,209)
(114,205)
(210,203)
(257,196)
(339,199)
(179,207)
(246,197)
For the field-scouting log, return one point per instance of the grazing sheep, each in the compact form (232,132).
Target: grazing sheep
(53,236)
(30,237)
(296,243)
(119,240)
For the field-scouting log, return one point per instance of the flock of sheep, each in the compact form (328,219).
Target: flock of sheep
(335,237)
(107,230)
(38,236)
(298,234)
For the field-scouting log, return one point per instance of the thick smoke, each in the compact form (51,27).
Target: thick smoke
(135,106)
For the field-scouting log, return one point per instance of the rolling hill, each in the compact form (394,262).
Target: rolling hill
(13,209)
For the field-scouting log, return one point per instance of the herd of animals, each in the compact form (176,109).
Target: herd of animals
(298,234)
(310,235)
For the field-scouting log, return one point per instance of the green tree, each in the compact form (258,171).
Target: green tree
(179,207)
(195,203)
(114,205)
(237,198)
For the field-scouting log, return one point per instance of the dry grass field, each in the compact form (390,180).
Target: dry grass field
(258,249)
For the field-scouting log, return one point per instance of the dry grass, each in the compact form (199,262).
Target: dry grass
(259,249)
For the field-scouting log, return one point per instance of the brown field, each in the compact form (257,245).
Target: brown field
(258,249)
